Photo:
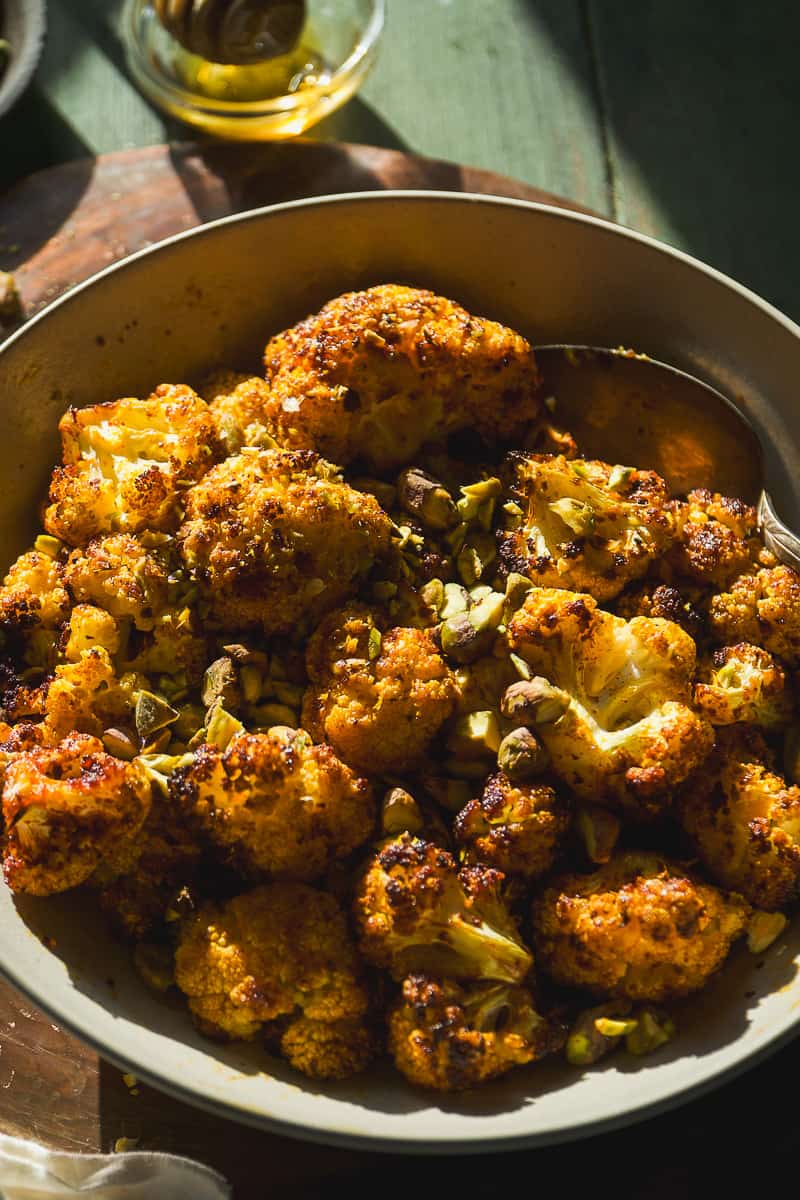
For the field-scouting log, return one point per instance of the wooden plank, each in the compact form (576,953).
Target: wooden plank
(702,103)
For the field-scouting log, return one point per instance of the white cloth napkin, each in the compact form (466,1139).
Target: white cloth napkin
(30,1172)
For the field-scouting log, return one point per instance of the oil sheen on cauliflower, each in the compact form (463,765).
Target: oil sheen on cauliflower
(629,734)
(639,927)
(86,696)
(417,912)
(66,809)
(127,463)
(275,804)
(584,525)
(238,405)
(450,1036)
(281,950)
(764,609)
(743,683)
(119,574)
(376,374)
(744,820)
(276,539)
(718,539)
(34,603)
(514,827)
(378,697)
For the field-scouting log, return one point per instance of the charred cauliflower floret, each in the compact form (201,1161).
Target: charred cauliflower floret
(118,574)
(417,912)
(685,605)
(583,525)
(744,820)
(629,734)
(638,927)
(378,698)
(33,605)
(450,1037)
(718,539)
(164,858)
(376,374)
(514,827)
(281,950)
(329,1049)
(764,609)
(238,405)
(66,809)
(86,696)
(276,804)
(175,644)
(277,539)
(743,683)
(127,463)
(90,628)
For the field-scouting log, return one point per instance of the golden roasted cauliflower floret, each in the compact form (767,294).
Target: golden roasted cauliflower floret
(718,539)
(276,804)
(744,820)
(583,525)
(417,912)
(277,539)
(329,1049)
(127,463)
(86,696)
(514,827)
(764,609)
(376,374)
(238,405)
(685,605)
(165,857)
(33,605)
(628,734)
(89,628)
(282,949)
(639,927)
(118,574)
(379,698)
(743,683)
(68,808)
(175,644)
(450,1037)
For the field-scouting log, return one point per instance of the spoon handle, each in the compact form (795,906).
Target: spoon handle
(784,544)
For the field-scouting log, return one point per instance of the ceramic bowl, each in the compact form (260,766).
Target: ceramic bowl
(22,25)
(213,296)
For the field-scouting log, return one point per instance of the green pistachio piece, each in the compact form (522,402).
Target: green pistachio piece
(520,666)
(425,498)
(762,930)
(475,733)
(654,1029)
(400,813)
(51,546)
(245,656)
(534,702)
(611,1028)
(221,727)
(374,643)
(120,743)
(488,612)
(455,539)
(152,714)
(461,641)
(432,594)
(221,682)
(586,1043)
(521,755)
(574,513)
(456,600)
(159,767)
(619,477)
(517,588)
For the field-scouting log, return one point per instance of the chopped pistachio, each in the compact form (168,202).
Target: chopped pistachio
(152,714)
(521,755)
(221,727)
(251,683)
(461,641)
(611,1027)
(432,594)
(488,612)
(220,682)
(400,813)
(486,513)
(424,497)
(574,513)
(599,830)
(120,743)
(517,588)
(159,767)
(374,643)
(51,546)
(534,702)
(456,538)
(456,600)
(619,477)
(520,666)
(653,1030)
(245,656)
(267,716)
(475,733)
(587,1043)
(762,930)
(475,495)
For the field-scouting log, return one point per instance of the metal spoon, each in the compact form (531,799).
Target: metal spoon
(627,408)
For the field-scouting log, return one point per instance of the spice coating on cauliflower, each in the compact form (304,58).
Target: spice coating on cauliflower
(276,539)
(127,462)
(684,605)
(376,374)
(718,539)
(33,593)
(239,407)
(583,525)
(86,696)
(743,683)
(744,820)
(329,1049)
(279,950)
(417,912)
(378,698)
(118,574)
(639,927)
(66,809)
(629,734)
(764,609)
(514,827)
(275,804)
(449,1037)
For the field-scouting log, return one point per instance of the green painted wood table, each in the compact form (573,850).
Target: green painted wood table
(674,117)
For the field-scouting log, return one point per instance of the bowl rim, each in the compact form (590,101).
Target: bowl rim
(20,71)
(341,1133)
